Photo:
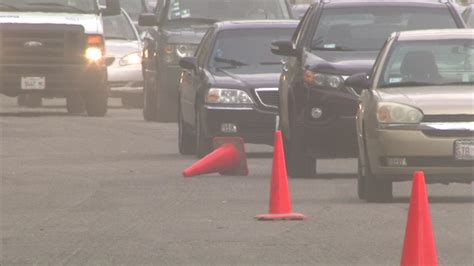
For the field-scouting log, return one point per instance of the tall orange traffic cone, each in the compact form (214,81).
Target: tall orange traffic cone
(228,158)
(280,201)
(419,247)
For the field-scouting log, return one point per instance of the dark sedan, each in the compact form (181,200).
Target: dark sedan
(231,87)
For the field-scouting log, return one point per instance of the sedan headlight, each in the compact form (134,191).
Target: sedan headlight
(228,96)
(131,59)
(174,52)
(323,80)
(395,113)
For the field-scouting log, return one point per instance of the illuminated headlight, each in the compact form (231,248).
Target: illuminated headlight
(131,59)
(228,96)
(323,80)
(94,54)
(395,113)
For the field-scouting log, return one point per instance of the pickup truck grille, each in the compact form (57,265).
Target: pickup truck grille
(41,44)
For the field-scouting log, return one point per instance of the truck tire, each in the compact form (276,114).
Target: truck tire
(74,103)
(149,101)
(96,102)
(299,164)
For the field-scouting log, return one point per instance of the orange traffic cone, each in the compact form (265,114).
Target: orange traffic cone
(228,158)
(419,247)
(280,201)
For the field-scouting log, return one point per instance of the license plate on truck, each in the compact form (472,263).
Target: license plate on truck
(33,83)
(464,150)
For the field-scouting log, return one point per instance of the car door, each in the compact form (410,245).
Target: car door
(192,81)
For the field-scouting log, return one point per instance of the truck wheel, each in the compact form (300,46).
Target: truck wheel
(203,144)
(186,142)
(75,103)
(149,101)
(33,100)
(299,164)
(96,102)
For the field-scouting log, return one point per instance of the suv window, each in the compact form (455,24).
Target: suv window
(228,10)
(367,28)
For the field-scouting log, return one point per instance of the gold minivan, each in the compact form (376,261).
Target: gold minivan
(416,111)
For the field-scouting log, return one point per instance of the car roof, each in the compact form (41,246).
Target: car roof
(433,35)
(256,24)
(432,3)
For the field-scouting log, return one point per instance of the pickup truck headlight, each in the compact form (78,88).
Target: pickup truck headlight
(174,52)
(228,96)
(95,49)
(395,113)
(131,59)
(322,80)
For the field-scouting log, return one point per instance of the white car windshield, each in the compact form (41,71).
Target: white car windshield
(70,6)
(430,63)
(228,9)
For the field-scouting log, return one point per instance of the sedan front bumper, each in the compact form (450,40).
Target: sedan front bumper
(125,79)
(420,149)
(253,125)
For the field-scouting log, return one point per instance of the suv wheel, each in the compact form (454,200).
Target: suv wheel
(96,102)
(74,103)
(149,101)
(203,144)
(186,141)
(299,164)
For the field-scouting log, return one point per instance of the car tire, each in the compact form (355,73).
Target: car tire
(33,100)
(203,144)
(186,140)
(374,189)
(75,104)
(299,164)
(149,101)
(96,102)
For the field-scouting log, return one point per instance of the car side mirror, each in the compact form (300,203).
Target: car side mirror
(188,63)
(112,8)
(283,48)
(147,20)
(360,81)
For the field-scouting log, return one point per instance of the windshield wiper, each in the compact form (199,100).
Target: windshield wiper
(333,48)
(59,5)
(409,84)
(269,63)
(232,62)
(202,20)
(10,6)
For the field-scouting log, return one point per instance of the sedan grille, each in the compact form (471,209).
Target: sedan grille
(268,97)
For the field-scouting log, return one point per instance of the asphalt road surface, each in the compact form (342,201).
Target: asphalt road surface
(108,191)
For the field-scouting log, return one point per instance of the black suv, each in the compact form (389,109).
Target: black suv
(177,28)
(334,40)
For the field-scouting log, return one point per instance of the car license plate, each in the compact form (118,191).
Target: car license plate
(33,83)
(464,150)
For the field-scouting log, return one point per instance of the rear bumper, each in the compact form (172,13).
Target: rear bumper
(253,125)
(59,79)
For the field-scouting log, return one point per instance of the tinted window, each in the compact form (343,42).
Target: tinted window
(364,28)
(72,6)
(118,27)
(228,9)
(248,51)
(425,63)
